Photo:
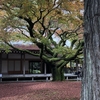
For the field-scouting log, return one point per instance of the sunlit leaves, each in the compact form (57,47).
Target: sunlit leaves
(64,51)
(38,21)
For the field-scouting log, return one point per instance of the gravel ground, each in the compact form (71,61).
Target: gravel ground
(66,90)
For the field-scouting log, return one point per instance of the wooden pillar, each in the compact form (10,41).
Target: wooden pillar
(71,67)
(24,64)
(0,67)
(45,69)
(0,63)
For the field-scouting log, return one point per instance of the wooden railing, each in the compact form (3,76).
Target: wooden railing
(48,77)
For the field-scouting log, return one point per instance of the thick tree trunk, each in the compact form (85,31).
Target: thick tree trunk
(58,74)
(91,70)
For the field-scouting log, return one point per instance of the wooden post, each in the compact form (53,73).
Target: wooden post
(45,68)
(0,67)
(76,66)
(0,63)
(24,64)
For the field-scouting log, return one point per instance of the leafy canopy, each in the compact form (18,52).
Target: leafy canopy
(40,22)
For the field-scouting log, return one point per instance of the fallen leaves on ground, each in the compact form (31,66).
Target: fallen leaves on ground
(65,90)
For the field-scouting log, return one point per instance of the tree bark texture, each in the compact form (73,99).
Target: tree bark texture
(58,73)
(91,70)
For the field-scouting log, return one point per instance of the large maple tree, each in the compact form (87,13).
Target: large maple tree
(49,24)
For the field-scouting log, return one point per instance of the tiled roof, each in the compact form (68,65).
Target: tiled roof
(27,47)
